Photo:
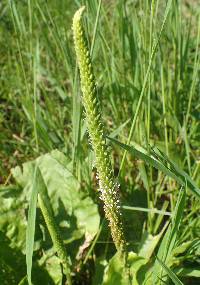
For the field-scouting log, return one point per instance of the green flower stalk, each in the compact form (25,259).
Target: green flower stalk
(109,189)
(47,212)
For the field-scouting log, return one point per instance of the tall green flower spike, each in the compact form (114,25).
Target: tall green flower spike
(108,187)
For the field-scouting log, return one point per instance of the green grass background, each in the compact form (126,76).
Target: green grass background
(149,96)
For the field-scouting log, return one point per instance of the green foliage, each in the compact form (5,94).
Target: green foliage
(67,201)
(30,232)
(157,159)
(64,193)
(145,57)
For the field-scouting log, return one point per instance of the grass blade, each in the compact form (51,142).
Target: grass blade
(168,6)
(170,273)
(30,232)
(170,238)
(160,161)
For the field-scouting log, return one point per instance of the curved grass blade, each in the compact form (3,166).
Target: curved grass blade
(170,273)
(169,241)
(39,188)
(30,232)
(142,93)
(161,162)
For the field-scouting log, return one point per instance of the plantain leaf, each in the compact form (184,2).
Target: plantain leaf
(74,210)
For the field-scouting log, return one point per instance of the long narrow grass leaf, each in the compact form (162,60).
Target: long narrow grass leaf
(170,238)
(170,273)
(30,232)
(161,163)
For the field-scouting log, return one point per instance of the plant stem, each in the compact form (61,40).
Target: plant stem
(54,231)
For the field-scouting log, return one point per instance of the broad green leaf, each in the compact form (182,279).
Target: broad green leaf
(116,274)
(75,212)
(148,244)
(72,207)
(52,264)
(13,220)
(136,263)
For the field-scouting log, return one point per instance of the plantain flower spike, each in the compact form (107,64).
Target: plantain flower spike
(108,187)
